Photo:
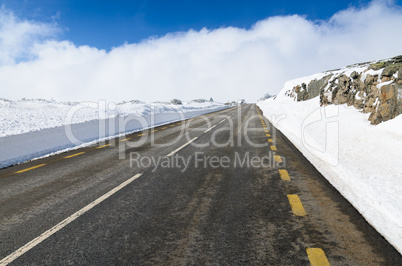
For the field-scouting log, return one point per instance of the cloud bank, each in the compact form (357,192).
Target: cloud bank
(226,63)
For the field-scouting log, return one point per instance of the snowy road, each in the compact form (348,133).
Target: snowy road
(232,190)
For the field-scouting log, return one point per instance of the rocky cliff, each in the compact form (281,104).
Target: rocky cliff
(372,87)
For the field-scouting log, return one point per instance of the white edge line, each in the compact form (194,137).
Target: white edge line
(222,121)
(181,147)
(22,250)
(209,129)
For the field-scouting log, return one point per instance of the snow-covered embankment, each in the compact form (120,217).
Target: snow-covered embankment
(360,160)
(31,129)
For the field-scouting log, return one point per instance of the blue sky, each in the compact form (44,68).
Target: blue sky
(227,50)
(105,24)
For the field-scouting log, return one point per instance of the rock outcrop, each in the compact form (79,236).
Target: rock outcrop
(374,88)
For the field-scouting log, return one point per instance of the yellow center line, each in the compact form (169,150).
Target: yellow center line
(140,134)
(124,140)
(268,135)
(278,158)
(296,205)
(273,148)
(317,257)
(284,174)
(172,125)
(164,127)
(72,155)
(270,140)
(34,167)
(154,130)
(103,146)
(266,130)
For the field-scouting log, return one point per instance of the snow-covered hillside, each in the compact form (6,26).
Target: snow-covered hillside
(361,160)
(372,87)
(17,117)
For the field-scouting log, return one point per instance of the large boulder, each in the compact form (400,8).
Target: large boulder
(370,105)
(302,94)
(390,70)
(379,65)
(315,86)
(375,118)
(354,75)
(371,79)
(390,104)
(342,92)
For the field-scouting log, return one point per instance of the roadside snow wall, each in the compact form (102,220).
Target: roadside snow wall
(23,147)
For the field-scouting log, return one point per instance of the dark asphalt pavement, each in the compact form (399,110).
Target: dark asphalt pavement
(218,200)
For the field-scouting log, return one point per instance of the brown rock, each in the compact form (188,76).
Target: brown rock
(370,80)
(369,106)
(387,110)
(388,107)
(302,95)
(357,85)
(359,101)
(384,79)
(399,99)
(390,70)
(316,86)
(340,98)
(342,93)
(388,92)
(375,118)
(323,100)
(354,75)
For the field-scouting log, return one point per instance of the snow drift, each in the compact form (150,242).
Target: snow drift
(31,129)
(360,160)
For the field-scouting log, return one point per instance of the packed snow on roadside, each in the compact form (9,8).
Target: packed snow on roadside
(31,129)
(17,117)
(360,160)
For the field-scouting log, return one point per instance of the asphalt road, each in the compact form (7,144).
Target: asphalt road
(216,194)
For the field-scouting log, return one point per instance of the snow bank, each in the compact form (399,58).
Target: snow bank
(48,127)
(360,160)
(17,117)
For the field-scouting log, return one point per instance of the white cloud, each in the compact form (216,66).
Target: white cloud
(226,63)
(18,36)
